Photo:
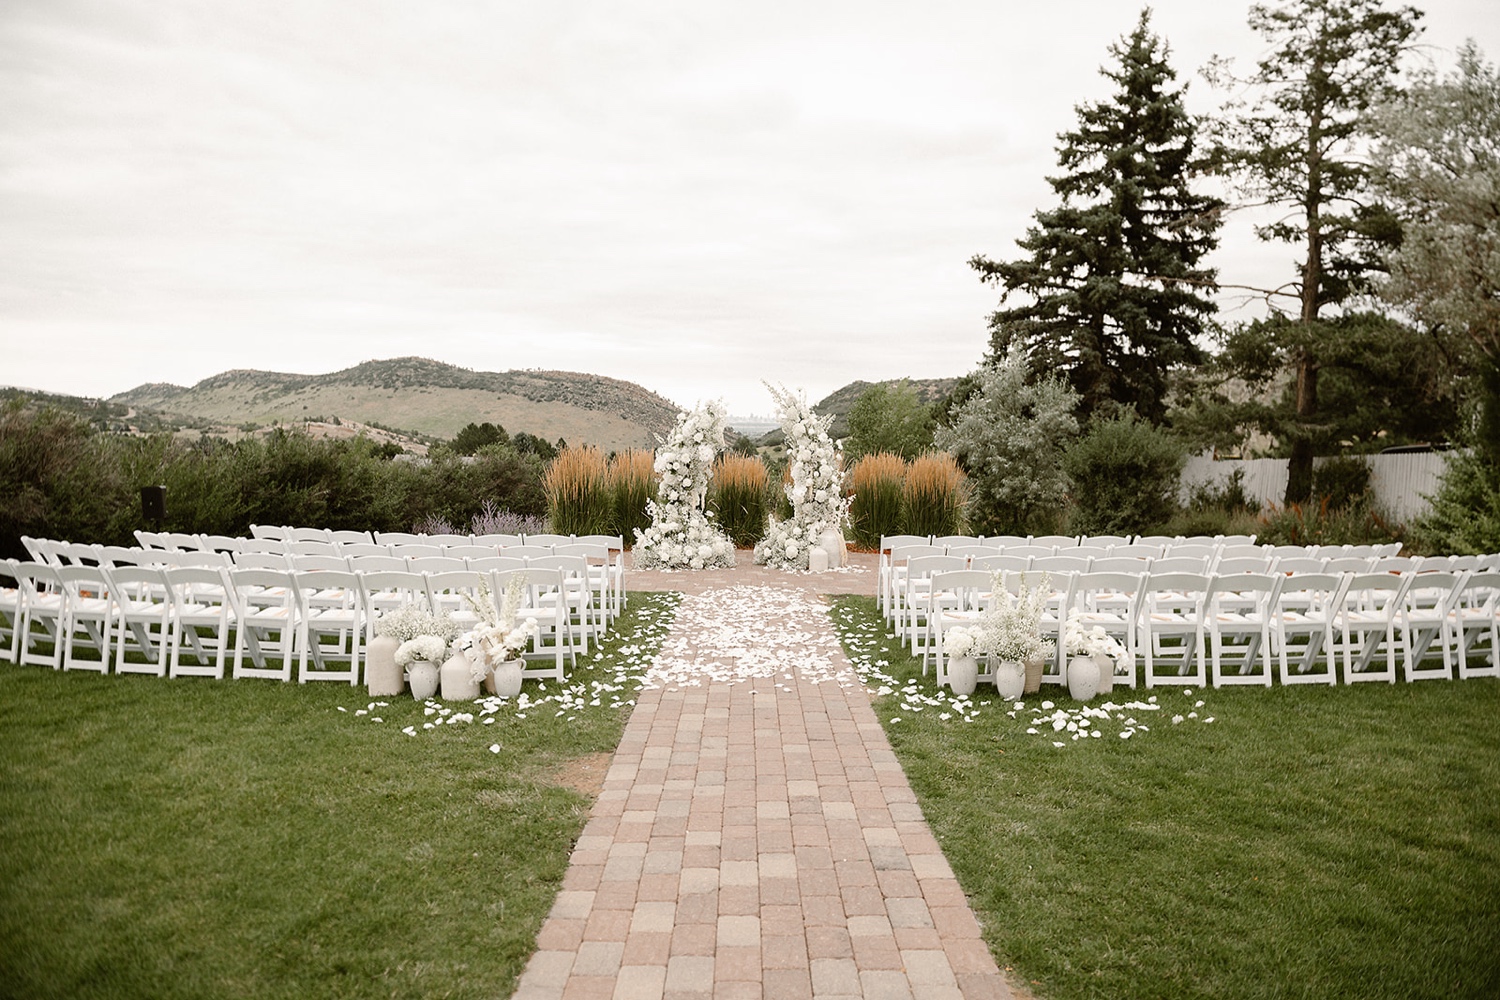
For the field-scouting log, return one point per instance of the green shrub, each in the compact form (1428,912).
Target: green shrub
(1343,481)
(1126,474)
(1226,495)
(877,482)
(935,496)
(889,418)
(739,496)
(1465,514)
(1323,524)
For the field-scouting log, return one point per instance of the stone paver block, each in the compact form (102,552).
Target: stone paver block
(834,976)
(737,930)
(737,963)
(598,958)
(829,942)
(640,982)
(883,984)
(871,925)
(653,917)
(739,873)
(548,968)
(908,911)
(693,939)
(572,904)
(928,968)
(690,973)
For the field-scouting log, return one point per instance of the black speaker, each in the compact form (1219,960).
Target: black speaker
(154,503)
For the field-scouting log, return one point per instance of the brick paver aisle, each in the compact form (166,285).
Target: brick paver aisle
(755,836)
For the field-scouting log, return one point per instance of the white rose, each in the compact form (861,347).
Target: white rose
(791,550)
(705,552)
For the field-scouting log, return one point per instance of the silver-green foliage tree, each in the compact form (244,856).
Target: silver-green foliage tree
(1300,142)
(1009,437)
(1111,289)
(1438,165)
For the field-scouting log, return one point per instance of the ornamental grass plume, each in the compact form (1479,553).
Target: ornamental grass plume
(739,496)
(578,501)
(934,500)
(876,482)
(632,482)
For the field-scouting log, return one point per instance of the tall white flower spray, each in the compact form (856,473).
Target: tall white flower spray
(816,490)
(681,535)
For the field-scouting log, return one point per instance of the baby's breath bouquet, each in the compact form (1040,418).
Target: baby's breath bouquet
(423,635)
(1012,628)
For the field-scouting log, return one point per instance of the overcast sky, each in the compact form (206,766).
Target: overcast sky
(691,195)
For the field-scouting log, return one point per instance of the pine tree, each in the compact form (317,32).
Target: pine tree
(1113,281)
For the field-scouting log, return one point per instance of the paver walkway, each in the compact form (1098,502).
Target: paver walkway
(755,836)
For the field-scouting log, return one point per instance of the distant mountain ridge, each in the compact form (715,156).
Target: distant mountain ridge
(425,397)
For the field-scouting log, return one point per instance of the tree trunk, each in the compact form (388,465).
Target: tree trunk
(1299,468)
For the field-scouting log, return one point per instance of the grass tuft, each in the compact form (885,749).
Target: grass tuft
(739,496)
(935,496)
(632,482)
(877,482)
(578,502)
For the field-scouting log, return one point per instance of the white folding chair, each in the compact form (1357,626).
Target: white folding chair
(415,550)
(42,604)
(346,536)
(1173,630)
(88,619)
(1476,623)
(490,564)
(1055,541)
(329,633)
(266,606)
(271,532)
(1000,563)
(578,597)
(382,591)
(1427,617)
(378,564)
(1241,610)
(436,564)
(201,620)
(221,543)
(399,538)
(452,590)
(554,635)
(546,538)
(1245,564)
(499,540)
(596,557)
(1060,591)
(143,619)
(1111,601)
(1104,541)
(1371,622)
(914,600)
(1306,615)
(959,598)
(10,609)
(364,549)
(615,560)
(310,535)
(1138,551)
(261,560)
(1002,541)
(1060,564)
(1348,564)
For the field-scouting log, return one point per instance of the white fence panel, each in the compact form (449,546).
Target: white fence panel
(1400,482)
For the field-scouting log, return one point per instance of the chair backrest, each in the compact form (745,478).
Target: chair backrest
(1161,541)
(1085,551)
(952,540)
(309,535)
(180,540)
(1268,585)
(261,560)
(919,567)
(1181,564)
(415,550)
(970,588)
(1299,564)
(1400,564)
(221,543)
(1138,550)
(1367,551)
(399,538)
(490,564)
(1313,594)
(1104,541)
(1190,550)
(313,547)
(1028,550)
(1056,541)
(1456,563)
(120,555)
(78,553)
(902,553)
(1179,591)
(318,563)
(545,538)
(456,584)
(1001,541)
(972,550)
(364,549)
(470,551)
(272,532)
(1120,564)
(250,588)
(345,536)
(1227,540)
(1292,551)
(437,564)
(189,585)
(1348,564)
(613,541)
(1379,594)
(377,564)
(1245,564)
(1092,591)
(148,539)
(1239,551)
(497,539)
(1061,563)
(449,538)
(1000,562)
(274,545)
(138,583)
(218,560)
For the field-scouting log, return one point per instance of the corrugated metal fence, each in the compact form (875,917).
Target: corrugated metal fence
(1398,481)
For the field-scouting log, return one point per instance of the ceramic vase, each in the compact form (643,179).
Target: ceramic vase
(1083,677)
(382,676)
(1106,672)
(1034,667)
(1010,679)
(817,559)
(422,678)
(832,542)
(457,678)
(505,680)
(963,674)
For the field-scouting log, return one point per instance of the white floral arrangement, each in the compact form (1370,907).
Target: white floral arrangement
(1091,642)
(816,490)
(960,642)
(1011,628)
(498,636)
(681,534)
(432,648)
(423,635)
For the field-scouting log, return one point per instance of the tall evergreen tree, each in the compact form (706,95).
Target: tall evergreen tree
(1113,277)
(1301,143)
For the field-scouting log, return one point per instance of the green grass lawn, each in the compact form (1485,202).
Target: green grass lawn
(193,838)
(1308,842)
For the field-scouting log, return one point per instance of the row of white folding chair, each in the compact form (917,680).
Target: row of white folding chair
(171,616)
(1225,629)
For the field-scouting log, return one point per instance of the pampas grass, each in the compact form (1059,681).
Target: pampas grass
(739,496)
(632,481)
(935,496)
(877,482)
(578,501)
